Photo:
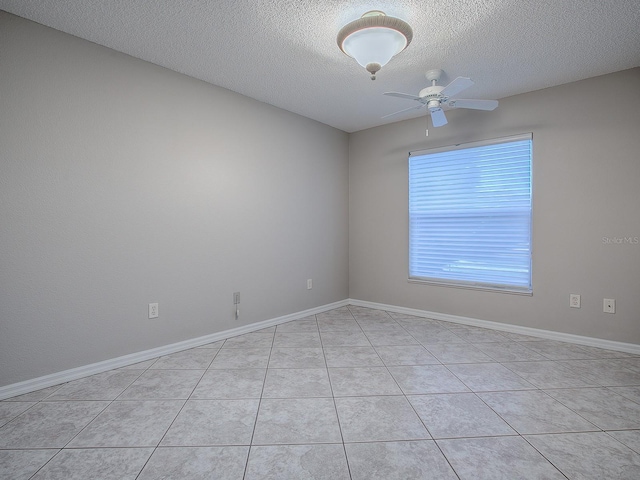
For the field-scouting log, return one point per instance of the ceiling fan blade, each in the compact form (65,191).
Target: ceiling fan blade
(402,95)
(455,87)
(438,118)
(405,110)
(474,104)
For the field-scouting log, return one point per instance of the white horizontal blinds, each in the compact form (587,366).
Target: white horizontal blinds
(470,215)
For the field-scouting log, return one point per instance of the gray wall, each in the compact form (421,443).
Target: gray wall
(123,183)
(586,177)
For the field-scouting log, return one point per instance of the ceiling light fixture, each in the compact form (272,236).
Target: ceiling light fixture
(374,39)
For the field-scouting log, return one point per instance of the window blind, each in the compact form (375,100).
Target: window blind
(470,214)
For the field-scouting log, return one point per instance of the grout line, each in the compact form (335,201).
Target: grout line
(255,422)
(544,456)
(335,407)
(46,463)
(177,415)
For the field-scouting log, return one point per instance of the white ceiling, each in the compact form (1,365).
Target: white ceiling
(284,52)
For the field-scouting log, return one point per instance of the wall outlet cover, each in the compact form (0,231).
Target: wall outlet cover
(574,300)
(153,310)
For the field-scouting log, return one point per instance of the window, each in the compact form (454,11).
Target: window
(470,215)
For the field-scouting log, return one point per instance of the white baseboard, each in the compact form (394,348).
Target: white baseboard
(32,385)
(57,378)
(505,327)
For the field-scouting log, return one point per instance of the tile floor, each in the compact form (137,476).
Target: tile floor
(353,393)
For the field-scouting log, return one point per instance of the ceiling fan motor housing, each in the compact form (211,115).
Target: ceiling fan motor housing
(431,96)
(433,104)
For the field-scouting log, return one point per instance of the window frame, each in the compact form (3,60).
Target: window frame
(470,284)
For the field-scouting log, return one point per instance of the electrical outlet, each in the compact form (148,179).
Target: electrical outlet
(574,300)
(153,310)
(236,298)
(609,305)
(309,284)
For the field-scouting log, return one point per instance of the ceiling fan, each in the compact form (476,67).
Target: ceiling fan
(436,96)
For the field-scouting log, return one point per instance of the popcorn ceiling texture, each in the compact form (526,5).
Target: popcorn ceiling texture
(284,52)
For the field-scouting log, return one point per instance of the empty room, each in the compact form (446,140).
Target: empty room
(283,239)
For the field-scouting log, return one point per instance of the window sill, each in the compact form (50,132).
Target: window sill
(471,286)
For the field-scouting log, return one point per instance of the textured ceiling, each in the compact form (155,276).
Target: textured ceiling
(284,52)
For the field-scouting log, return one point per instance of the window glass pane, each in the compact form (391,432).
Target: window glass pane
(470,215)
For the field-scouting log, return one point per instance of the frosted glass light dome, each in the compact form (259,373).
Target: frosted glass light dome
(374,39)
(374,45)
